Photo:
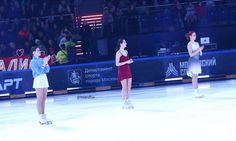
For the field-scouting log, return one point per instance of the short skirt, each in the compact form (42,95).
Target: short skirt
(41,81)
(194,66)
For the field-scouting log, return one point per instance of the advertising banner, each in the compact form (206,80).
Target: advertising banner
(105,73)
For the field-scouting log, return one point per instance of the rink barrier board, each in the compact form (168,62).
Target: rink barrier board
(100,76)
(92,89)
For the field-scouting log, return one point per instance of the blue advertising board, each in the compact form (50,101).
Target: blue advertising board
(105,73)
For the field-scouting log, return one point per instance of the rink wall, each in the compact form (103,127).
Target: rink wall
(103,75)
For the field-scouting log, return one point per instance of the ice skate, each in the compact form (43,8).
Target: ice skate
(48,121)
(130,105)
(198,94)
(125,106)
(43,120)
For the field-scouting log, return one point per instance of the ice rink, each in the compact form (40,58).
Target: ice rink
(161,113)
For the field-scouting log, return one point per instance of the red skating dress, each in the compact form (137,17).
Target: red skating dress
(124,71)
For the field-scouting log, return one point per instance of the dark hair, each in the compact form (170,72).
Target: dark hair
(190,33)
(32,50)
(118,43)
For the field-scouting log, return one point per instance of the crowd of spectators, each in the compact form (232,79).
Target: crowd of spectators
(27,23)
(124,17)
(25,33)
(49,24)
(10,9)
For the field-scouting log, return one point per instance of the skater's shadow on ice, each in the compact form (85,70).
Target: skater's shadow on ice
(63,128)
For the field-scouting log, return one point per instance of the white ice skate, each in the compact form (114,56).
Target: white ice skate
(127,105)
(130,105)
(198,94)
(43,120)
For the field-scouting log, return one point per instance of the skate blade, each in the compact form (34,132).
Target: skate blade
(128,107)
(42,123)
(132,107)
(199,97)
(45,123)
(49,122)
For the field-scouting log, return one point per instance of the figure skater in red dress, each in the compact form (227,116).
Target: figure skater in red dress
(124,72)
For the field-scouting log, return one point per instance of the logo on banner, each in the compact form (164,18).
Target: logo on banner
(171,70)
(9,83)
(75,77)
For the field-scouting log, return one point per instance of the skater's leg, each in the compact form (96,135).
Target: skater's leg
(124,93)
(45,91)
(129,85)
(195,81)
(40,105)
(40,100)
(195,86)
(124,89)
